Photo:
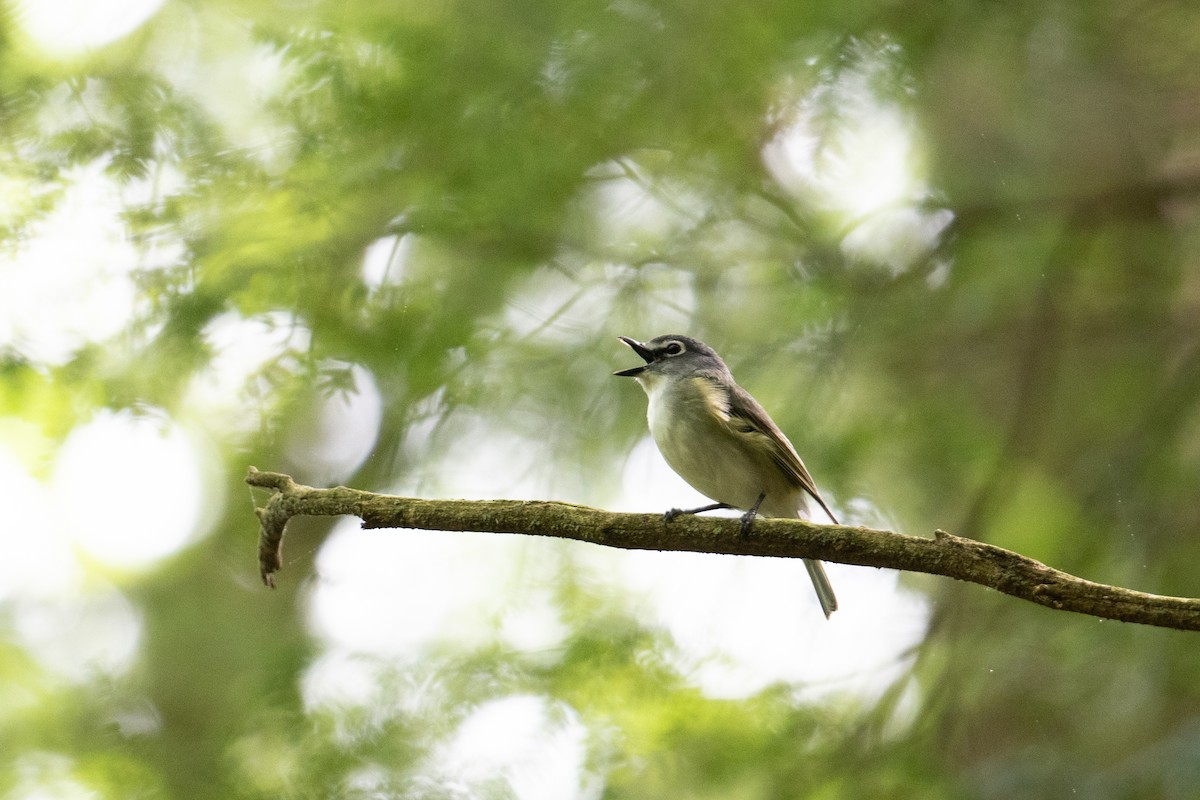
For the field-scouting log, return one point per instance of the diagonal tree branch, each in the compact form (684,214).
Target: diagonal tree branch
(947,555)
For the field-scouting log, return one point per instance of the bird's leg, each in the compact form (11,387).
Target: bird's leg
(672,513)
(748,517)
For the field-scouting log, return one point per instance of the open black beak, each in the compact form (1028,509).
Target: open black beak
(642,351)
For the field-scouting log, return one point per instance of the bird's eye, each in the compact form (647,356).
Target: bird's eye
(673,349)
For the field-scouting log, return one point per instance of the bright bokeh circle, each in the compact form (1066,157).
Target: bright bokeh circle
(129,488)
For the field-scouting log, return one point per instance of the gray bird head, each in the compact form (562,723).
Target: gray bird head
(673,356)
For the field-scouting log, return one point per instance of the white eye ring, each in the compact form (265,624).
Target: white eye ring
(673,349)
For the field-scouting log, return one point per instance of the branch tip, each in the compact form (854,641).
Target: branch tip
(270,480)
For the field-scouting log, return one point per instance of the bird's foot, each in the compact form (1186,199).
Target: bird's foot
(748,517)
(747,523)
(671,514)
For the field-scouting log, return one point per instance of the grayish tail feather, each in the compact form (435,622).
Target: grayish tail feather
(821,583)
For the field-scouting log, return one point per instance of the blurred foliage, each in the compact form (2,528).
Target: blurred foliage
(1009,349)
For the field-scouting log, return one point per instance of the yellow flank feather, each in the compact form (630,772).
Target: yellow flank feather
(715,397)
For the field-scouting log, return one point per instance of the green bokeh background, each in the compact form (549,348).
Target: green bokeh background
(1026,375)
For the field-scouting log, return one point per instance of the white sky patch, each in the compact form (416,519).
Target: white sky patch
(80,637)
(533,624)
(428,583)
(376,690)
(46,775)
(385,260)
(559,306)
(538,749)
(340,679)
(341,429)
(495,464)
(215,60)
(868,166)
(38,560)
(70,282)
(435,589)
(231,395)
(129,489)
(742,627)
(865,165)
(67,27)
(635,211)
(897,237)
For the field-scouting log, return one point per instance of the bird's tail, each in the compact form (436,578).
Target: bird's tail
(821,583)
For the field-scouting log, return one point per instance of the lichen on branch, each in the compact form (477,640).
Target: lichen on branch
(944,554)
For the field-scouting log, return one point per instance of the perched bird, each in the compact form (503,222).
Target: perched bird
(721,441)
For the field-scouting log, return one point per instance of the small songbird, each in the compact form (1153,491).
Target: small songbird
(721,441)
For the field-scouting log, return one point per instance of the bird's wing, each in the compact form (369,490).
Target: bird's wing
(743,416)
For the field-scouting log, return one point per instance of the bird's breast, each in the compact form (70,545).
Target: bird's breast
(698,445)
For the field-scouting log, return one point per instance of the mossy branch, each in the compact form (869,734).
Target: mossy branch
(944,554)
